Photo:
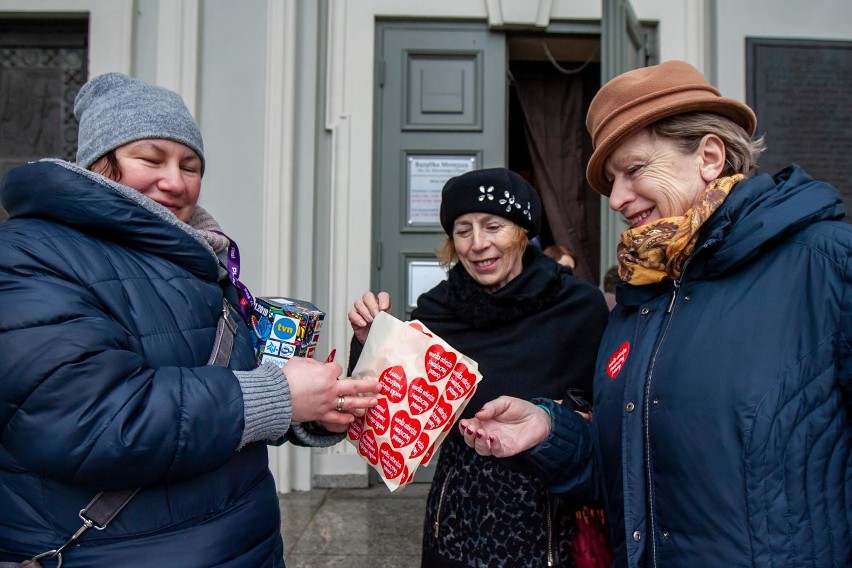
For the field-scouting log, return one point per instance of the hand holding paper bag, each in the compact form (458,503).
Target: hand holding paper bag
(424,385)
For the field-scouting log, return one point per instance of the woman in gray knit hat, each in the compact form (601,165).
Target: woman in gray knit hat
(113,280)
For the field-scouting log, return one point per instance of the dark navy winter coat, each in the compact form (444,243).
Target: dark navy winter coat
(722,433)
(107,318)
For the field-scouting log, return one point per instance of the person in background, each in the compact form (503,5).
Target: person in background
(611,280)
(561,254)
(111,290)
(722,425)
(533,328)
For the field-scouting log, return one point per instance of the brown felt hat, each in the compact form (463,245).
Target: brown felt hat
(638,98)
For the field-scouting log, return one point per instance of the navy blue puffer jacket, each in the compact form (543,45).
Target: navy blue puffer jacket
(108,311)
(723,413)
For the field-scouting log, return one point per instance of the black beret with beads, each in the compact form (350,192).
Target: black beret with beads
(497,191)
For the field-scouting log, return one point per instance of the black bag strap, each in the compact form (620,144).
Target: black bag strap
(104,507)
(97,515)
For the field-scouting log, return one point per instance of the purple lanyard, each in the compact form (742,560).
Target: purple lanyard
(233,267)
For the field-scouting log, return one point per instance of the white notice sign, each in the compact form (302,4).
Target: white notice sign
(426,177)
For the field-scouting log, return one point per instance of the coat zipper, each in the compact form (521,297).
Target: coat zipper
(652,533)
(674,293)
(549,530)
(437,524)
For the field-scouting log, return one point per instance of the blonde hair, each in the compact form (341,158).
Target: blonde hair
(447,255)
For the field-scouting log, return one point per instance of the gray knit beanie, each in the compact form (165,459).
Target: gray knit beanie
(114,109)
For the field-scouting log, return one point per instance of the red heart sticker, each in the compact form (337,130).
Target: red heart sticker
(461,382)
(378,418)
(420,446)
(367,447)
(406,476)
(356,429)
(392,462)
(421,396)
(443,412)
(393,383)
(617,360)
(428,455)
(439,362)
(419,328)
(404,429)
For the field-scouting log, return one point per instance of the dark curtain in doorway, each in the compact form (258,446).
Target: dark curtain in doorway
(554,107)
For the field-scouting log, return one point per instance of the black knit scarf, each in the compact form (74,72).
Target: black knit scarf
(533,290)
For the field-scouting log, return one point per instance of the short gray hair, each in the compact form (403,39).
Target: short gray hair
(687,129)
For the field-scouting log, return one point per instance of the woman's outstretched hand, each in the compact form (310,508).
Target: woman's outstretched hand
(367,307)
(505,427)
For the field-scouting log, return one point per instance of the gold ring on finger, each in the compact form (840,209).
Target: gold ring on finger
(340,403)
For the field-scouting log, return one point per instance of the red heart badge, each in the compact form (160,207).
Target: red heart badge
(420,446)
(392,462)
(355,429)
(428,455)
(617,360)
(378,417)
(367,447)
(404,429)
(421,396)
(419,328)
(443,412)
(461,382)
(439,362)
(393,383)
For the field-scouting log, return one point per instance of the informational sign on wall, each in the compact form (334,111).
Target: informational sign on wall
(423,275)
(426,177)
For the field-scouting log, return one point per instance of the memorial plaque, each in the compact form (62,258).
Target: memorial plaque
(801,91)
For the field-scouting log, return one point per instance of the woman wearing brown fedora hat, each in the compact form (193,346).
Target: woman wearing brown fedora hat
(722,431)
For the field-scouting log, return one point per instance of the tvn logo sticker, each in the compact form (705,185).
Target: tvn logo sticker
(284,328)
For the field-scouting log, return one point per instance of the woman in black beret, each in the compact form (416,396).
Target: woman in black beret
(534,328)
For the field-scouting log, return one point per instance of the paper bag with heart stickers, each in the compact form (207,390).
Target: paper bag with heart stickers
(425,384)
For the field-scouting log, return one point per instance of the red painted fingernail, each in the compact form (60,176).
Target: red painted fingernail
(479,434)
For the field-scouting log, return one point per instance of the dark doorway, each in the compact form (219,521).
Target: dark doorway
(552,80)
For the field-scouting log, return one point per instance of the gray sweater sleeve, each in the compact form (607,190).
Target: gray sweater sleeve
(266,403)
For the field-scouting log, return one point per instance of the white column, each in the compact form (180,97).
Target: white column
(177,48)
(290,465)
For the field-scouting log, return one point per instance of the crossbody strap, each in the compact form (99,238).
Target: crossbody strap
(97,515)
(226,329)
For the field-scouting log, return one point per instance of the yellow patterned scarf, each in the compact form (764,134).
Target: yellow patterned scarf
(658,250)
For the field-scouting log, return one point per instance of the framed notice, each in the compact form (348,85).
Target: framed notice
(423,275)
(426,177)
